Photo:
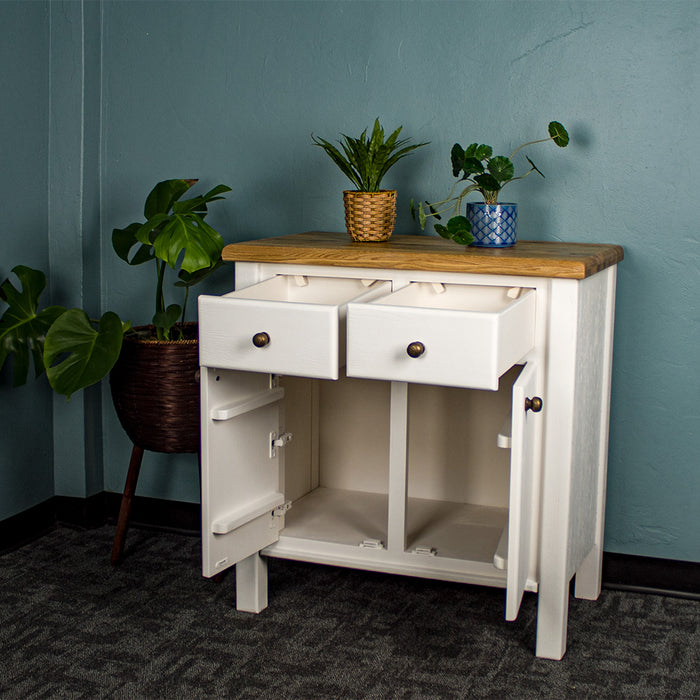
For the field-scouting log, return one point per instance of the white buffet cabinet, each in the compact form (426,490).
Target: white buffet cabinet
(411,407)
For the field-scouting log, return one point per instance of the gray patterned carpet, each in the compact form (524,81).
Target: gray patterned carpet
(73,627)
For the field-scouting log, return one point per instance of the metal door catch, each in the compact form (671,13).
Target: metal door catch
(281,509)
(276,441)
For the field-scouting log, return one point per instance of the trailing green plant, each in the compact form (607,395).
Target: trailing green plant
(367,159)
(484,173)
(76,351)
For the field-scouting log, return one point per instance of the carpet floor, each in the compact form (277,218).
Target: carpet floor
(72,626)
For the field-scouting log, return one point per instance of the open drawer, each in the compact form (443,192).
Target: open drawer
(285,325)
(446,334)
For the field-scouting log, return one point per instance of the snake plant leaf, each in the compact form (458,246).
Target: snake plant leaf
(337,157)
(188,241)
(124,239)
(366,160)
(164,195)
(77,355)
(559,134)
(501,168)
(23,327)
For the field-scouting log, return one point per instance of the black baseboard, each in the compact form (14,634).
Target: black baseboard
(20,529)
(80,512)
(173,516)
(95,511)
(651,575)
(620,571)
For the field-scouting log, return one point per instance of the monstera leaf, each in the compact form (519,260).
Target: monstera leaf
(165,320)
(23,327)
(124,239)
(175,231)
(184,239)
(77,355)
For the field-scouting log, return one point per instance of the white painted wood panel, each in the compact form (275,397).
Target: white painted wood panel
(239,475)
(303,317)
(525,423)
(471,334)
(411,480)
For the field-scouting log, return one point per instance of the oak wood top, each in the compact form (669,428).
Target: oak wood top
(401,252)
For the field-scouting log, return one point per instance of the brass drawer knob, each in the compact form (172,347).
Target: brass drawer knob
(260,340)
(534,404)
(415,349)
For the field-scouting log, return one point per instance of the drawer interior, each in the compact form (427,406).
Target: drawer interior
(455,297)
(330,291)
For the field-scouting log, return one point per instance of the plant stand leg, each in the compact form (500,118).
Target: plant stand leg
(132,477)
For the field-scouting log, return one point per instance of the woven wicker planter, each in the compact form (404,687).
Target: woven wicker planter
(155,389)
(370,216)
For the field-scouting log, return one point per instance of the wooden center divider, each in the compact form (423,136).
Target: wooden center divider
(420,252)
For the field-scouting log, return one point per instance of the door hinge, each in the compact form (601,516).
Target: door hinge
(278,440)
(281,509)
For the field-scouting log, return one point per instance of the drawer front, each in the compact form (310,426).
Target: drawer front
(303,339)
(280,336)
(450,346)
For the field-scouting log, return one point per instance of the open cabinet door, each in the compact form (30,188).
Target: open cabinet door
(241,471)
(522,476)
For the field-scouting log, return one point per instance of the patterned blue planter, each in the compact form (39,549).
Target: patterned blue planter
(493,225)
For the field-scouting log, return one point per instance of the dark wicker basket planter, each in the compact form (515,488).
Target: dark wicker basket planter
(155,389)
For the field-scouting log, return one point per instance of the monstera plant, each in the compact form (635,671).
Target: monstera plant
(76,350)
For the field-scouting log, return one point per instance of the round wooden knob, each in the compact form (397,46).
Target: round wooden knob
(415,349)
(260,340)
(534,404)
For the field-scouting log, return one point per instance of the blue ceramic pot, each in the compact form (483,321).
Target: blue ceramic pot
(493,225)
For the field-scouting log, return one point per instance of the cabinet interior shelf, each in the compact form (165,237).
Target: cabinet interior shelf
(459,531)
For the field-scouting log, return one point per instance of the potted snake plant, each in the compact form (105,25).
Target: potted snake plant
(370,212)
(491,224)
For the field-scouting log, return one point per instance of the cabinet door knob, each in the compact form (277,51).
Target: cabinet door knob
(415,349)
(260,340)
(534,404)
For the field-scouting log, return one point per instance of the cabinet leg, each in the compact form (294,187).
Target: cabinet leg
(589,575)
(251,584)
(552,619)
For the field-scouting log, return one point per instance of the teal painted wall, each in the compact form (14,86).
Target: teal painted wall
(230,92)
(26,465)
